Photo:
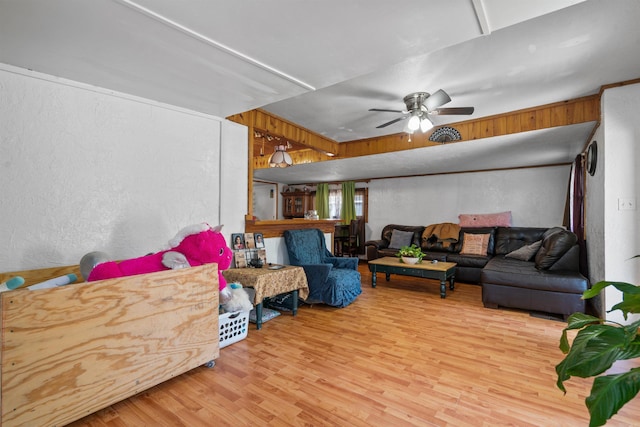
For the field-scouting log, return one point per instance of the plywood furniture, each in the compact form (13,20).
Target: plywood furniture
(270,282)
(442,271)
(72,350)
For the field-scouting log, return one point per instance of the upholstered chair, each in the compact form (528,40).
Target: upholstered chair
(332,280)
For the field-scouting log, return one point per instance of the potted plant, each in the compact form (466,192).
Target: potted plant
(410,254)
(597,345)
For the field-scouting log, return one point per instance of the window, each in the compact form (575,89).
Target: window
(335,203)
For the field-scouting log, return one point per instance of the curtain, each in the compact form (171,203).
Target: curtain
(348,208)
(322,200)
(576,218)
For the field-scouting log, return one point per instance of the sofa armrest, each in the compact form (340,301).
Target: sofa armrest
(372,246)
(347,263)
(317,273)
(570,261)
(378,244)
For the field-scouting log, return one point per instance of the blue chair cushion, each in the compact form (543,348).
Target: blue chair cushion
(333,281)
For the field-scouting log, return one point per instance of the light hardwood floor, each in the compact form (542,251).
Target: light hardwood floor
(399,356)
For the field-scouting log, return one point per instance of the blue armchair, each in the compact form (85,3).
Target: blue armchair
(332,280)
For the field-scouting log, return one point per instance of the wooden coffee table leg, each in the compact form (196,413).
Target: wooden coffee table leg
(373,278)
(443,288)
(452,280)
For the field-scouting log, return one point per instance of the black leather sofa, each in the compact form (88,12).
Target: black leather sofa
(548,282)
(469,266)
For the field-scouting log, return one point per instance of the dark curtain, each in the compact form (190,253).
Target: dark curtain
(576,223)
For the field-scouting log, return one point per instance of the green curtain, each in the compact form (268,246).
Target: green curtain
(322,200)
(348,208)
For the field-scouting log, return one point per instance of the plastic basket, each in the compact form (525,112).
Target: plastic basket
(233,327)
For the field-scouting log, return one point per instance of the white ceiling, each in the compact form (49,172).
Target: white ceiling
(323,64)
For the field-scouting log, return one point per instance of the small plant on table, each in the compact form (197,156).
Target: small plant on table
(410,252)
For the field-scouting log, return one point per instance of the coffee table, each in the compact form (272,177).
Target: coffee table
(442,271)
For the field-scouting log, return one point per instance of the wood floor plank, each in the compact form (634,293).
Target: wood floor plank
(398,356)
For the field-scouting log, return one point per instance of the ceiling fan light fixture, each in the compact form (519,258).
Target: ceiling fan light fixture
(425,124)
(414,123)
(280,158)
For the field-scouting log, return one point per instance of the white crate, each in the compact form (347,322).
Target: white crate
(233,327)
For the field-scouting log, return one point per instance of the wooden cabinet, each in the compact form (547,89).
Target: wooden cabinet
(296,203)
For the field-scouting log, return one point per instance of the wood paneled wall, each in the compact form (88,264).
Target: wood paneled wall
(563,113)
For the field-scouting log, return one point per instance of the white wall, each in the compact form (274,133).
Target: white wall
(594,217)
(265,200)
(234,177)
(536,197)
(87,169)
(620,155)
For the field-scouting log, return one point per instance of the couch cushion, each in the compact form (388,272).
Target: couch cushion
(508,239)
(400,238)
(525,253)
(309,247)
(522,274)
(485,230)
(554,246)
(474,261)
(416,229)
(475,244)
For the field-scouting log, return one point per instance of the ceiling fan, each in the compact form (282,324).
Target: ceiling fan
(419,106)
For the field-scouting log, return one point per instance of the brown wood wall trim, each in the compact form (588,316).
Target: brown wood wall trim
(563,113)
(579,110)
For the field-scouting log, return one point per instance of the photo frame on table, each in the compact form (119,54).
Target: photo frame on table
(237,241)
(259,239)
(262,255)
(249,241)
(239,259)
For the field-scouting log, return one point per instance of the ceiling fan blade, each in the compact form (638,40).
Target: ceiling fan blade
(387,111)
(452,111)
(390,123)
(436,100)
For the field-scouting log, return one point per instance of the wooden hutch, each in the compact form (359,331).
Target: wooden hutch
(296,203)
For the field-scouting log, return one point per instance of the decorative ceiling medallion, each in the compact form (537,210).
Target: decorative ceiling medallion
(445,134)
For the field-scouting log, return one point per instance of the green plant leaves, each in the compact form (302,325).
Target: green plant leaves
(575,321)
(412,251)
(609,393)
(597,345)
(630,296)
(594,350)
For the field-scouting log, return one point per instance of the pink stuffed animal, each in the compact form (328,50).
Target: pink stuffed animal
(199,244)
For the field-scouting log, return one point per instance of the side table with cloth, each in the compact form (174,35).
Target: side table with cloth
(267,283)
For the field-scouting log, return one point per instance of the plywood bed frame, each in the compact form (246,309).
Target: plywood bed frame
(72,350)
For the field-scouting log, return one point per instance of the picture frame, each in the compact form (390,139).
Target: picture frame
(239,259)
(262,255)
(259,240)
(249,241)
(237,241)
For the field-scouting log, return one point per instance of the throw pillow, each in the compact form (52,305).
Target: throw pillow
(400,238)
(553,247)
(475,244)
(500,219)
(525,253)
